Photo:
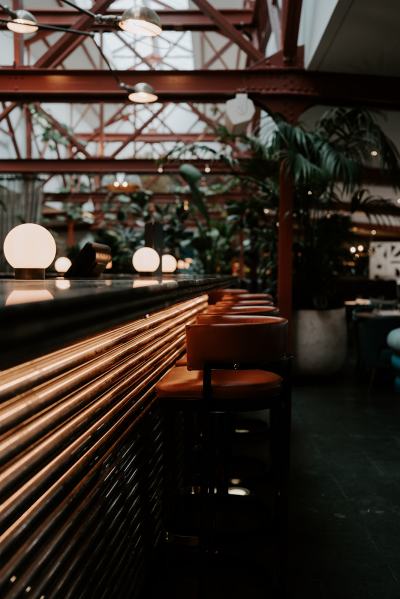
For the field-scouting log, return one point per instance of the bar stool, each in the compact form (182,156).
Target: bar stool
(216,294)
(233,368)
(242,297)
(228,318)
(245,303)
(242,310)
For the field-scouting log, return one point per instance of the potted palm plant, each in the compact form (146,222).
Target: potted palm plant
(326,165)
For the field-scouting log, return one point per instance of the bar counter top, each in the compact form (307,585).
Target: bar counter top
(41,316)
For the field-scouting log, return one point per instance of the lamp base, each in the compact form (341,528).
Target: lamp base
(29,273)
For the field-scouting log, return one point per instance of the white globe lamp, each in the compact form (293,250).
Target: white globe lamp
(29,249)
(168,263)
(146,260)
(62,264)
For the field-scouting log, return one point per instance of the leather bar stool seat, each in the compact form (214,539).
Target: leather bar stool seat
(256,296)
(247,296)
(183,384)
(242,310)
(236,319)
(245,303)
(216,294)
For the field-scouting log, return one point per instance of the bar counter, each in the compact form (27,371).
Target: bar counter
(82,466)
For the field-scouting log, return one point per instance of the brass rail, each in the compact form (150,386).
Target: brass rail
(81,461)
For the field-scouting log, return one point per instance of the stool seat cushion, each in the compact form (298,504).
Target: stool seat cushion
(181,383)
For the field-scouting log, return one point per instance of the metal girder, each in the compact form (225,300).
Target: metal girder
(149,138)
(291,13)
(162,198)
(103,166)
(67,43)
(134,135)
(172,20)
(270,87)
(263,25)
(229,30)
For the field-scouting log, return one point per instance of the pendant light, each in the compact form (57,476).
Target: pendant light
(142,93)
(23,22)
(141,20)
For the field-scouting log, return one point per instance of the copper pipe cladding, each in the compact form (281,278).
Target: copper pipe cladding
(81,460)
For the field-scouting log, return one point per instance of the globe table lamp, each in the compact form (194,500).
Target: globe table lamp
(168,263)
(29,249)
(62,264)
(145,260)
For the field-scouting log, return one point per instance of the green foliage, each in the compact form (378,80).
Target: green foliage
(48,133)
(214,246)
(192,176)
(325,164)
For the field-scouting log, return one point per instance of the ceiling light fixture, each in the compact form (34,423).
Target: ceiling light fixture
(141,20)
(141,93)
(22,21)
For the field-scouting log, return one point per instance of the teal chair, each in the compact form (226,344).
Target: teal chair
(393,341)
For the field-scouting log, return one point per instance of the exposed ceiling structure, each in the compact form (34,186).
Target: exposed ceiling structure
(62,109)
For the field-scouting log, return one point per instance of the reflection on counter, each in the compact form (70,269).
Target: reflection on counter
(63,284)
(145,283)
(14,291)
(26,296)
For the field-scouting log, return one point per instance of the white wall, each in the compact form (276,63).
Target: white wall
(315,18)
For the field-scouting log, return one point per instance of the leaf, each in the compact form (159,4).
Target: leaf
(190,173)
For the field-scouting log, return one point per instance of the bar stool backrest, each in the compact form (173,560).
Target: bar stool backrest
(245,303)
(251,310)
(236,318)
(246,297)
(240,344)
(216,294)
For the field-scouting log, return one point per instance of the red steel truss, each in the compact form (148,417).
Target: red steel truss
(263,84)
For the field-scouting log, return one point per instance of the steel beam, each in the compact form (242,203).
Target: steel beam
(162,198)
(291,12)
(172,20)
(226,28)
(274,85)
(67,43)
(149,138)
(103,166)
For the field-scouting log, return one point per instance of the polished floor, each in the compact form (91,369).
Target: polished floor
(344,510)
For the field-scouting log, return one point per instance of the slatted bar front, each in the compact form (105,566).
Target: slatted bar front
(81,461)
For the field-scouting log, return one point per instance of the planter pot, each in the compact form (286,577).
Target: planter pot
(320,341)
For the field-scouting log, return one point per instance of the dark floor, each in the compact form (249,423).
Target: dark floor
(344,506)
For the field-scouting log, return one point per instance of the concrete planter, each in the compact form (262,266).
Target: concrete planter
(320,341)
